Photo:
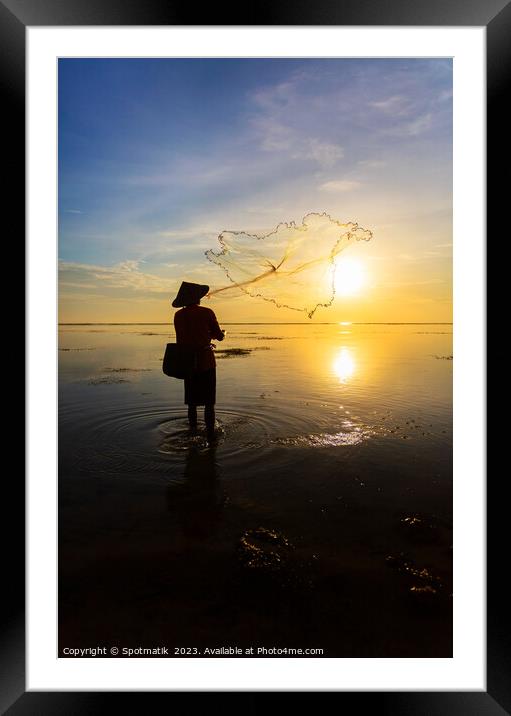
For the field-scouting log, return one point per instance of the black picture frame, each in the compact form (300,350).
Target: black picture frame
(15,17)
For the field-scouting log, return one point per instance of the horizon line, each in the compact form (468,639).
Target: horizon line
(272,323)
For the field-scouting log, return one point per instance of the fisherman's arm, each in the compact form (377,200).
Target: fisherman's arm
(177,327)
(216,331)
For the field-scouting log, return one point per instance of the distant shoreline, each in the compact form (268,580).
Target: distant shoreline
(287,323)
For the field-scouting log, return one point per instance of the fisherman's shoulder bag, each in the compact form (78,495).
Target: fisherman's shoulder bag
(180,361)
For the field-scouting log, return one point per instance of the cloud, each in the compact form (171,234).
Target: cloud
(129,266)
(412,128)
(340,185)
(395,105)
(274,136)
(323,153)
(277,97)
(418,125)
(277,137)
(371,163)
(410,112)
(76,284)
(285,120)
(125,276)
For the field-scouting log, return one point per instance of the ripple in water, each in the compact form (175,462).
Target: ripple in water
(238,433)
(178,438)
(235,432)
(143,440)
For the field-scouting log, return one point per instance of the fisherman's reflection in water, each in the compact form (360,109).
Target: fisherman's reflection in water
(197,502)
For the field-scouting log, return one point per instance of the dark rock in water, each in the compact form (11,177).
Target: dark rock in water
(272,586)
(422,527)
(421,576)
(269,569)
(263,549)
(425,590)
(424,595)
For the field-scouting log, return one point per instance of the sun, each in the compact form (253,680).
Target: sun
(350,277)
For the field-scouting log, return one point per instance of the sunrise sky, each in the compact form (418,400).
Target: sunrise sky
(158,156)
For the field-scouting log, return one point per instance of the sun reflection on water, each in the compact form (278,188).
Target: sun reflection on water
(344,365)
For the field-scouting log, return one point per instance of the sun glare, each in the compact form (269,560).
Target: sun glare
(350,277)
(344,365)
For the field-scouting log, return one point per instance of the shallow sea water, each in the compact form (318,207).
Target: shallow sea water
(321,518)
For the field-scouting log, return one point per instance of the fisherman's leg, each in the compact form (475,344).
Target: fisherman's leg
(209,419)
(192,416)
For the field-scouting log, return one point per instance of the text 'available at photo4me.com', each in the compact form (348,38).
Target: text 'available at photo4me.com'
(180,651)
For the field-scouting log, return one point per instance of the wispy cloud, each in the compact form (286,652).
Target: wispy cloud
(411,112)
(274,136)
(395,105)
(323,153)
(125,276)
(340,185)
(371,163)
(418,125)
(283,121)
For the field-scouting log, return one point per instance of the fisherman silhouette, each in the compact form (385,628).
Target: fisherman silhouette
(196,326)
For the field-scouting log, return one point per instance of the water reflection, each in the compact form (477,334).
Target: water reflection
(344,365)
(197,503)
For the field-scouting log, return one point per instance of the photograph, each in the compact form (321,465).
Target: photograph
(255,357)
(256,310)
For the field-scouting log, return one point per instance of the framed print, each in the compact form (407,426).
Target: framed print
(255,263)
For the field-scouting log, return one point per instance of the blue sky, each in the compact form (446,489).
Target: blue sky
(158,156)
